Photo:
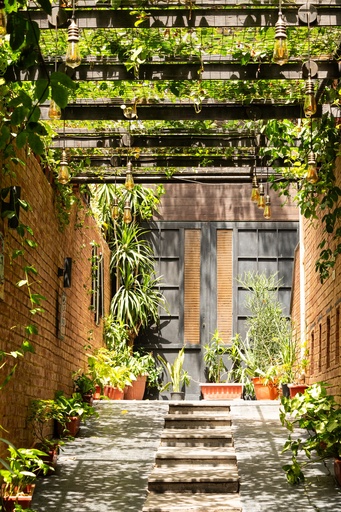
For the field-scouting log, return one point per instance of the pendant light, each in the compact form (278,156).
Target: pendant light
(267,208)
(73,56)
(312,175)
(255,189)
(261,200)
(309,106)
(127,218)
(63,171)
(129,181)
(54,110)
(281,53)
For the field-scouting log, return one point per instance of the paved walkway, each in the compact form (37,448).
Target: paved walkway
(106,468)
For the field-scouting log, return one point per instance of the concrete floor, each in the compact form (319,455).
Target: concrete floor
(106,468)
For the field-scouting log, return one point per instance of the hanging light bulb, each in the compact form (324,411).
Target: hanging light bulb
(312,175)
(54,111)
(115,211)
(267,208)
(127,218)
(73,56)
(129,183)
(309,98)
(255,190)
(281,54)
(261,200)
(63,172)
(3,20)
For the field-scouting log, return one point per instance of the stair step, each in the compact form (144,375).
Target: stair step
(194,408)
(187,502)
(207,456)
(197,420)
(197,437)
(182,478)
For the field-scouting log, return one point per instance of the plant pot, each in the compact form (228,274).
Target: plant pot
(115,393)
(88,398)
(25,500)
(265,391)
(285,390)
(97,393)
(137,388)
(177,395)
(71,427)
(337,471)
(221,390)
(296,388)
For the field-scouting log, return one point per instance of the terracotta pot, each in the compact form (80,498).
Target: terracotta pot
(264,391)
(71,427)
(115,393)
(337,471)
(97,393)
(296,388)
(221,390)
(24,500)
(137,388)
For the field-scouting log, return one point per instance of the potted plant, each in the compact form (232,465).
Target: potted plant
(319,415)
(214,358)
(68,413)
(84,385)
(267,327)
(40,418)
(19,471)
(110,370)
(177,375)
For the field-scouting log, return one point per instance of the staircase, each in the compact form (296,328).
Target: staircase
(195,466)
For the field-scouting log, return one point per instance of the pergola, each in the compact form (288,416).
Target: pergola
(214,152)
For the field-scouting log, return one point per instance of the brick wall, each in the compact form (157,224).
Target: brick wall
(223,202)
(49,369)
(322,308)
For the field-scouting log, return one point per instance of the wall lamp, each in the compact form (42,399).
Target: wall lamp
(65,272)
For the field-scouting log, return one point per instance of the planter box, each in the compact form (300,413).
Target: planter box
(221,391)
(264,391)
(24,500)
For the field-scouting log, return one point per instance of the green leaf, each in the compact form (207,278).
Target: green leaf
(37,128)
(16,26)
(4,136)
(36,143)
(31,243)
(45,5)
(41,90)
(33,34)
(21,139)
(60,95)
(30,269)
(31,329)
(19,115)
(61,78)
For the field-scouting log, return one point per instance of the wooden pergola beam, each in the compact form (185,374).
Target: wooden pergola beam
(94,17)
(222,69)
(107,111)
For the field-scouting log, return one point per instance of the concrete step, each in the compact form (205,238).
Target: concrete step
(193,479)
(187,502)
(197,420)
(212,456)
(197,437)
(200,406)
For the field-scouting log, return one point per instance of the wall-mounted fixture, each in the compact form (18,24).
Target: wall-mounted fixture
(65,272)
(10,209)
